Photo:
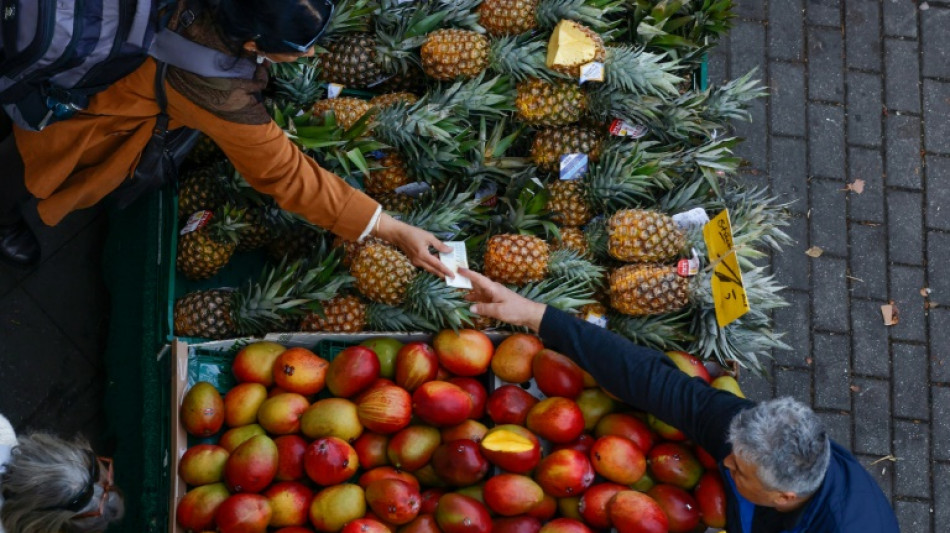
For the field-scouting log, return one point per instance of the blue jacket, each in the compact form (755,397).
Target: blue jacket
(848,500)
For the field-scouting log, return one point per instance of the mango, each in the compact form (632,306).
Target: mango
(202,410)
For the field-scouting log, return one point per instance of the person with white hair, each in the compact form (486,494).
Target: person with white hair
(49,485)
(782,472)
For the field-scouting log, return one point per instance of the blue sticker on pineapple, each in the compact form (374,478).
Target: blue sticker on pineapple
(573,166)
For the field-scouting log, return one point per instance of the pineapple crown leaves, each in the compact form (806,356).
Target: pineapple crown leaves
(566,264)
(625,176)
(660,332)
(713,160)
(436,303)
(349,16)
(323,281)
(730,101)
(564,294)
(598,15)
(262,305)
(607,104)
(679,24)
(481,95)
(632,69)
(382,317)
(458,13)
(298,85)
(445,213)
(420,128)
(226,223)
(522,208)
(401,29)
(521,57)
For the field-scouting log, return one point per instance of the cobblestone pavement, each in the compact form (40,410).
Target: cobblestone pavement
(860,89)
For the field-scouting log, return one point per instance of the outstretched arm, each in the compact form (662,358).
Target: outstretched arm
(643,378)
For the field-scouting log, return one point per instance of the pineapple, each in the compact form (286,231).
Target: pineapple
(556,103)
(512,17)
(395,202)
(204,189)
(551,143)
(256,232)
(388,99)
(352,61)
(516,259)
(343,314)
(567,204)
(644,236)
(346,110)
(258,307)
(384,275)
(507,17)
(293,238)
(351,249)
(648,289)
(393,174)
(573,238)
(203,252)
(449,54)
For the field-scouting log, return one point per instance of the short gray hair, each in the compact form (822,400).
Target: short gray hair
(786,441)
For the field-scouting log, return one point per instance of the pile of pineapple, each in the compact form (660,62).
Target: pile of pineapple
(457,116)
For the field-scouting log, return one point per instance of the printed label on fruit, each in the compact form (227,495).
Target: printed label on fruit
(622,128)
(593,71)
(196,221)
(692,219)
(487,194)
(728,293)
(377,154)
(414,189)
(334,90)
(573,166)
(688,267)
(457,258)
(596,318)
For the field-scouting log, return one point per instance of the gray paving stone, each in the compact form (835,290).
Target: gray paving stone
(862,35)
(832,371)
(913,516)
(938,256)
(912,447)
(826,144)
(936,42)
(750,9)
(941,430)
(865,105)
(872,417)
(718,66)
(750,53)
(869,338)
(902,61)
(900,18)
(828,221)
(881,471)
(787,107)
(825,65)
(755,147)
(936,111)
(824,12)
(938,194)
(786,29)
(838,426)
(756,388)
(905,226)
(906,283)
(941,497)
(868,262)
(830,305)
(939,319)
(795,322)
(793,382)
(902,150)
(788,172)
(792,267)
(911,389)
(866,164)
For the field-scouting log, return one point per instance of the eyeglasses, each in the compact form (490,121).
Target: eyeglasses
(304,48)
(107,487)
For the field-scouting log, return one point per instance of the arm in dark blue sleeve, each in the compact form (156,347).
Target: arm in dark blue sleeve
(646,379)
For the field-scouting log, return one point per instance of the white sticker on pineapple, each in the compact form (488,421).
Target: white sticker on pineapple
(692,219)
(596,318)
(196,221)
(573,166)
(334,90)
(593,71)
(457,258)
(414,189)
(622,128)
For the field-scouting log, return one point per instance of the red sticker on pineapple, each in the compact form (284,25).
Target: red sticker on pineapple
(196,221)
(622,128)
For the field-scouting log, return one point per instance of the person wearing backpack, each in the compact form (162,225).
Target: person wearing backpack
(73,164)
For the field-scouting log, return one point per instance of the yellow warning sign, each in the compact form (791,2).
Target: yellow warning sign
(728,293)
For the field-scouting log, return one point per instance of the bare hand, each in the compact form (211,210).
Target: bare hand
(415,243)
(496,301)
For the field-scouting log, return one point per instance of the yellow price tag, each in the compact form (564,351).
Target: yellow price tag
(728,293)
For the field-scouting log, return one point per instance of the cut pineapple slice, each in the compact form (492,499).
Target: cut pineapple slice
(570,45)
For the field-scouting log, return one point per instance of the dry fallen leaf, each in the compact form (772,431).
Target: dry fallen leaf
(889,311)
(857,186)
(808,361)
(890,458)
(814,251)
(925,292)
(855,388)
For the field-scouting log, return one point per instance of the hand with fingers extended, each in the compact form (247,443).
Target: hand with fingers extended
(415,243)
(496,301)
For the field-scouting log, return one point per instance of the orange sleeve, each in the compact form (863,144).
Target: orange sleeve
(272,164)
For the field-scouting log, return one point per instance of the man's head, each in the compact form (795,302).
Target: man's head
(780,453)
